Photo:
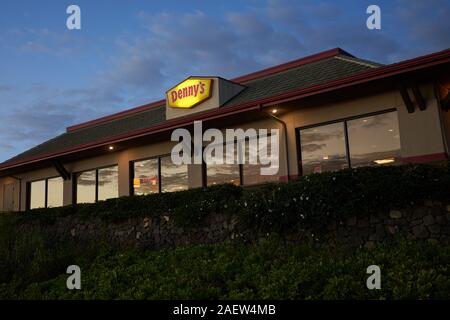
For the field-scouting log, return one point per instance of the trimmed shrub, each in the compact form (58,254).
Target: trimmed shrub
(279,207)
(268,270)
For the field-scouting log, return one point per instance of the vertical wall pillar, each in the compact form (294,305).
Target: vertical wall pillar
(124,174)
(68,191)
(195,175)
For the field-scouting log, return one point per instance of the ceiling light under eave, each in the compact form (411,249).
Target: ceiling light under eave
(384,161)
(110,148)
(274,111)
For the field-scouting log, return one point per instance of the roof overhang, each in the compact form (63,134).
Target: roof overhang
(428,65)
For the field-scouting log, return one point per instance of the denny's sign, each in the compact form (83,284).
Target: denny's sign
(189,93)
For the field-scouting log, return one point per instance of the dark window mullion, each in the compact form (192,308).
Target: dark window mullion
(96,185)
(241,174)
(46,193)
(131,175)
(204,170)
(347,145)
(74,188)
(159,176)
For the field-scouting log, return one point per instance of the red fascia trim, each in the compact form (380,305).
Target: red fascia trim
(426,158)
(116,115)
(381,72)
(247,77)
(291,64)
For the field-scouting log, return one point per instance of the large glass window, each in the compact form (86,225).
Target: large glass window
(37,194)
(55,192)
(86,182)
(173,177)
(323,148)
(97,185)
(147,180)
(371,140)
(46,193)
(374,140)
(252,172)
(146,177)
(223,173)
(108,183)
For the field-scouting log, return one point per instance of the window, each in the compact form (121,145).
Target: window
(108,183)
(37,194)
(46,193)
(374,140)
(55,191)
(97,185)
(364,141)
(223,173)
(86,187)
(146,176)
(252,172)
(173,177)
(323,148)
(159,175)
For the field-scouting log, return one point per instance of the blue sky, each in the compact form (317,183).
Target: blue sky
(129,52)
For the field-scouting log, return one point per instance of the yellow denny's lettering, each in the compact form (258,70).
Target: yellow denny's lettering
(189,93)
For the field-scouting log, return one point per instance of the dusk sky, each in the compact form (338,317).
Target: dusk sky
(129,52)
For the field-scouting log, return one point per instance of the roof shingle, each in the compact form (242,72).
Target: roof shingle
(303,76)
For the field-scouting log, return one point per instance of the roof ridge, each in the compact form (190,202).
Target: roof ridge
(250,76)
(292,64)
(362,62)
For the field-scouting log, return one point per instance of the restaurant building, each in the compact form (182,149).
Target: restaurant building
(333,111)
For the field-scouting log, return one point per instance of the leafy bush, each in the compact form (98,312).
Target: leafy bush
(268,270)
(187,207)
(33,264)
(278,207)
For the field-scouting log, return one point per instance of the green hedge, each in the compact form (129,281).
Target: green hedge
(32,263)
(277,207)
(268,270)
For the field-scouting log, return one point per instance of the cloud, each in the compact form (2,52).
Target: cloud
(427,22)
(173,45)
(42,41)
(5,88)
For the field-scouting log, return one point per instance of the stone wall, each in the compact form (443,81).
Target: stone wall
(429,221)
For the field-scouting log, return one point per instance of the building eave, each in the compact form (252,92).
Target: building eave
(364,77)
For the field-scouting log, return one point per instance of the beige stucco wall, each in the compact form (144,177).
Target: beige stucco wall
(420,134)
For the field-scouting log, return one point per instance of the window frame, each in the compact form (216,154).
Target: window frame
(28,192)
(75,176)
(205,167)
(340,120)
(240,165)
(159,157)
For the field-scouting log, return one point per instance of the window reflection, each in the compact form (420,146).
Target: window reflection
(86,187)
(146,180)
(37,194)
(252,172)
(323,148)
(223,173)
(173,177)
(374,140)
(108,183)
(55,192)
